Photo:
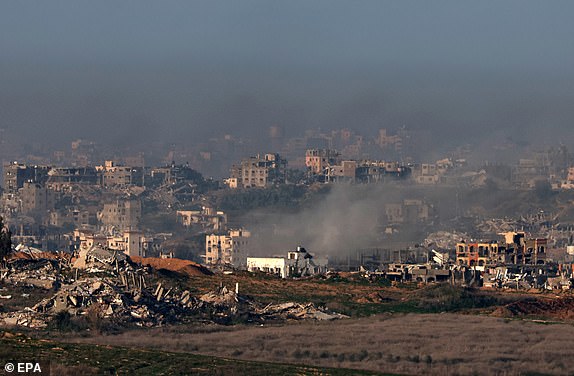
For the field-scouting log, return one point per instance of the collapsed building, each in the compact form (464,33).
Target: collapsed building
(101,284)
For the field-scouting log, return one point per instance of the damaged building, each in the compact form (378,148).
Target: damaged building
(230,248)
(297,263)
(207,218)
(258,172)
(516,249)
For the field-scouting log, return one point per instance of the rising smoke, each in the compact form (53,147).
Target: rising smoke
(346,219)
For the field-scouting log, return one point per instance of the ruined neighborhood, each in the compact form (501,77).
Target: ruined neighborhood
(287,188)
(112,247)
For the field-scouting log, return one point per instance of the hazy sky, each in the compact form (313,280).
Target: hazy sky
(183,70)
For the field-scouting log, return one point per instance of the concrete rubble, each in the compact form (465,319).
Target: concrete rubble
(298,311)
(106,285)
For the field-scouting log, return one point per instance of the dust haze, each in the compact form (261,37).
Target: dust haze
(180,72)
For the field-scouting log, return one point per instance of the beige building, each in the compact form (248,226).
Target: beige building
(258,172)
(121,215)
(16,174)
(78,218)
(36,199)
(516,249)
(230,248)
(346,171)
(409,211)
(131,242)
(318,160)
(207,218)
(113,175)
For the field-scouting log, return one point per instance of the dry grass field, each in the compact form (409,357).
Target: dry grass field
(413,344)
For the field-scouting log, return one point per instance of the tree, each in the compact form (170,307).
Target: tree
(5,240)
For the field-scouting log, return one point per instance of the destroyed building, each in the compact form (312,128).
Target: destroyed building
(328,168)
(409,211)
(258,172)
(59,177)
(16,174)
(114,175)
(207,218)
(515,249)
(318,160)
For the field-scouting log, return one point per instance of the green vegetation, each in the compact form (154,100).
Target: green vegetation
(5,240)
(448,298)
(247,199)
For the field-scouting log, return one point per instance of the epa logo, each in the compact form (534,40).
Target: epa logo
(23,368)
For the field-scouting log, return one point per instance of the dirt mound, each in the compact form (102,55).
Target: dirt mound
(561,308)
(173,264)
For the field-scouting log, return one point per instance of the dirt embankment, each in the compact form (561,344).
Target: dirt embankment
(557,308)
(187,267)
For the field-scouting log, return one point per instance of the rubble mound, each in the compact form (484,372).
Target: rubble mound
(187,267)
(104,289)
(22,255)
(221,297)
(297,311)
(444,239)
(560,308)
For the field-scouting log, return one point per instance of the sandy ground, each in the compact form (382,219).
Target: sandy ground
(415,344)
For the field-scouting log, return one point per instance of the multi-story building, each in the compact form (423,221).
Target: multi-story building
(112,175)
(230,248)
(173,174)
(409,211)
(85,217)
(16,174)
(258,172)
(59,177)
(36,198)
(131,242)
(516,249)
(346,171)
(207,218)
(318,160)
(121,214)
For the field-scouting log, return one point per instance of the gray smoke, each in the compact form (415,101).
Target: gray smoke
(345,219)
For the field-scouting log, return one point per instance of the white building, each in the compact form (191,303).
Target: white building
(297,263)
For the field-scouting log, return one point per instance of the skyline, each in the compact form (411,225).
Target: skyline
(181,71)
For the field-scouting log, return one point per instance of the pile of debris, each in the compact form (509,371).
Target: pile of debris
(497,225)
(297,311)
(97,259)
(545,277)
(444,239)
(110,287)
(119,302)
(42,273)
